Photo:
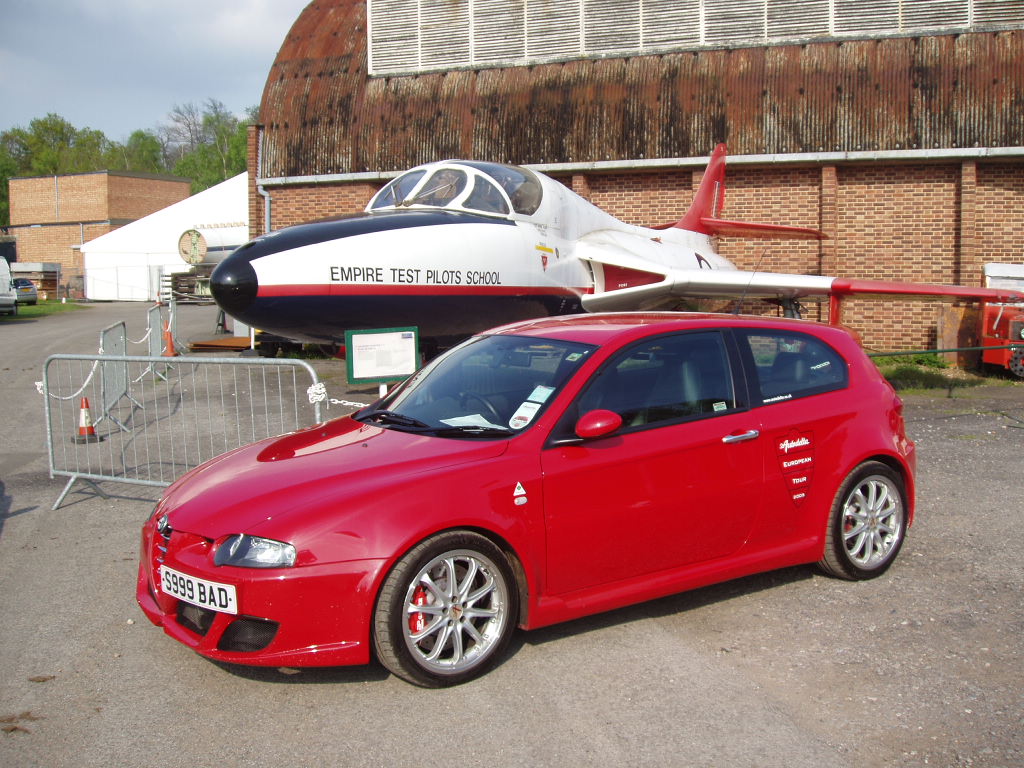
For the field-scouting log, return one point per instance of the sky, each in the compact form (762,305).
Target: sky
(122,65)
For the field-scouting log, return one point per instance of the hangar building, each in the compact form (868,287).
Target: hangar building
(895,126)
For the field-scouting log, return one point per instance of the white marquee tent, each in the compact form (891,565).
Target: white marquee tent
(128,263)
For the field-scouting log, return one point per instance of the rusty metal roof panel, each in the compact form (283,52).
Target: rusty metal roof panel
(324,115)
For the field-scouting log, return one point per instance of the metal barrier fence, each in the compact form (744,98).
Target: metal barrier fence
(159,416)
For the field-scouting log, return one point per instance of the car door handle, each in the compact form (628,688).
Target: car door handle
(742,437)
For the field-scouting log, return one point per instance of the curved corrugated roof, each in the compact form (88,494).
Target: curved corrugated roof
(324,115)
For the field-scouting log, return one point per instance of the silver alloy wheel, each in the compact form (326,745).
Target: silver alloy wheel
(456,610)
(872,522)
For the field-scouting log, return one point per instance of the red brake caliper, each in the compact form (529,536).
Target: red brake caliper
(417,621)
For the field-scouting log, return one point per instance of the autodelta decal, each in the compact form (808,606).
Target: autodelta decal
(796,460)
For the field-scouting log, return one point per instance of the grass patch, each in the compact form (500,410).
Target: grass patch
(912,377)
(918,359)
(42,309)
(925,372)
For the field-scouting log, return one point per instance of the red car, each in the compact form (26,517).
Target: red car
(534,474)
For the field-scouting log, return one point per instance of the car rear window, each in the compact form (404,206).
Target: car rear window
(791,365)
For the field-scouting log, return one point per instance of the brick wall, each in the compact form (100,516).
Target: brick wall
(50,215)
(1000,205)
(133,197)
(47,199)
(935,223)
(297,205)
(56,243)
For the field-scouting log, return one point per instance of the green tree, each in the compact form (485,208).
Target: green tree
(52,145)
(207,145)
(141,152)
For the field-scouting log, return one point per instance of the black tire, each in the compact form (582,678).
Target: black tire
(467,622)
(867,523)
(1017,363)
(268,348)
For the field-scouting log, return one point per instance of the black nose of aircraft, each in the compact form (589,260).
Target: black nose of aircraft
(233,283)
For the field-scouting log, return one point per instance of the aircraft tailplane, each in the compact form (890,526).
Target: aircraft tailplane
(709,200)
(710,197)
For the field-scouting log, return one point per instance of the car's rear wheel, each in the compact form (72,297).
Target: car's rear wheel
(446,611)
(867,524)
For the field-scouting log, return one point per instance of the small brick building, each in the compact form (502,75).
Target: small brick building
(52,216)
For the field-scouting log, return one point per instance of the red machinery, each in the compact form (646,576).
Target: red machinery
(1003,324)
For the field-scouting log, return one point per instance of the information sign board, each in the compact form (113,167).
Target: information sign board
(381,354)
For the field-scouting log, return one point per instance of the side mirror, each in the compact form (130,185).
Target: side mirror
(598,424)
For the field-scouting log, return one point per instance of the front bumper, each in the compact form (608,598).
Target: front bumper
(306,616)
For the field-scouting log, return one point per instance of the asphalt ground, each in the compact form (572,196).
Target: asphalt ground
(922,666)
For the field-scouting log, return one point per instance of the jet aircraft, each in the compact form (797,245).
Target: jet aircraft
(457,246)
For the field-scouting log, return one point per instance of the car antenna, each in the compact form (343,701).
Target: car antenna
(746,288)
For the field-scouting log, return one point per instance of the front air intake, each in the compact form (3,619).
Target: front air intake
(247,635)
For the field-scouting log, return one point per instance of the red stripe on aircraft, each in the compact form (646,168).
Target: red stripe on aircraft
(350,289)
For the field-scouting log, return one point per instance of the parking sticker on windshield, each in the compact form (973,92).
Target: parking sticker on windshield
(540,393)
(524,415)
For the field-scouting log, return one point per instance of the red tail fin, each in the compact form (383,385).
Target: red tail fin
(710,197)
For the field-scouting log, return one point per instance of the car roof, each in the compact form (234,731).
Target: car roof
(603,327)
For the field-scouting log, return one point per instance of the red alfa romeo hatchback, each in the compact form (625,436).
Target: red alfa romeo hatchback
(534,474)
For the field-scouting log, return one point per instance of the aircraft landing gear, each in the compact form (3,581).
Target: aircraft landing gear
(791,308)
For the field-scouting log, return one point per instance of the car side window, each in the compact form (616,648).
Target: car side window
(791,365)
(664,380)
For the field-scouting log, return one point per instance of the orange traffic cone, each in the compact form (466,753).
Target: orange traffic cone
(86,431)
(169,350)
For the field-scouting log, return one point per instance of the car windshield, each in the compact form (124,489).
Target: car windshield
(490,386)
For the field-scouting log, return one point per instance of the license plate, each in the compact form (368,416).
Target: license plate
(205,594)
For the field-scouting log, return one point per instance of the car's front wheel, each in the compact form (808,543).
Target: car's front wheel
(867,524)
(446,610)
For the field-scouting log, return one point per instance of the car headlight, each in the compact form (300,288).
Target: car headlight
(254,552)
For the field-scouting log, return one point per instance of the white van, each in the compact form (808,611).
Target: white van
(8,298)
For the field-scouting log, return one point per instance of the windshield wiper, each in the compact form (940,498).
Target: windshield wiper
(472,430)
(391,417)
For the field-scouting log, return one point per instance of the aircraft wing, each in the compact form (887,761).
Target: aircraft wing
(749,229)
(623,283)
(727,228)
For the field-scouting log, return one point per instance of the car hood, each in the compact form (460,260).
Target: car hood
(244,490)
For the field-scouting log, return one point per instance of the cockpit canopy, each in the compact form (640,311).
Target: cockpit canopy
(487,188)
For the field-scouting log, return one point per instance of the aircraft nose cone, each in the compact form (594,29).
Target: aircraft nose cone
(233,284)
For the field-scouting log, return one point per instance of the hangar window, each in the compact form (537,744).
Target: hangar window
(408,36)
